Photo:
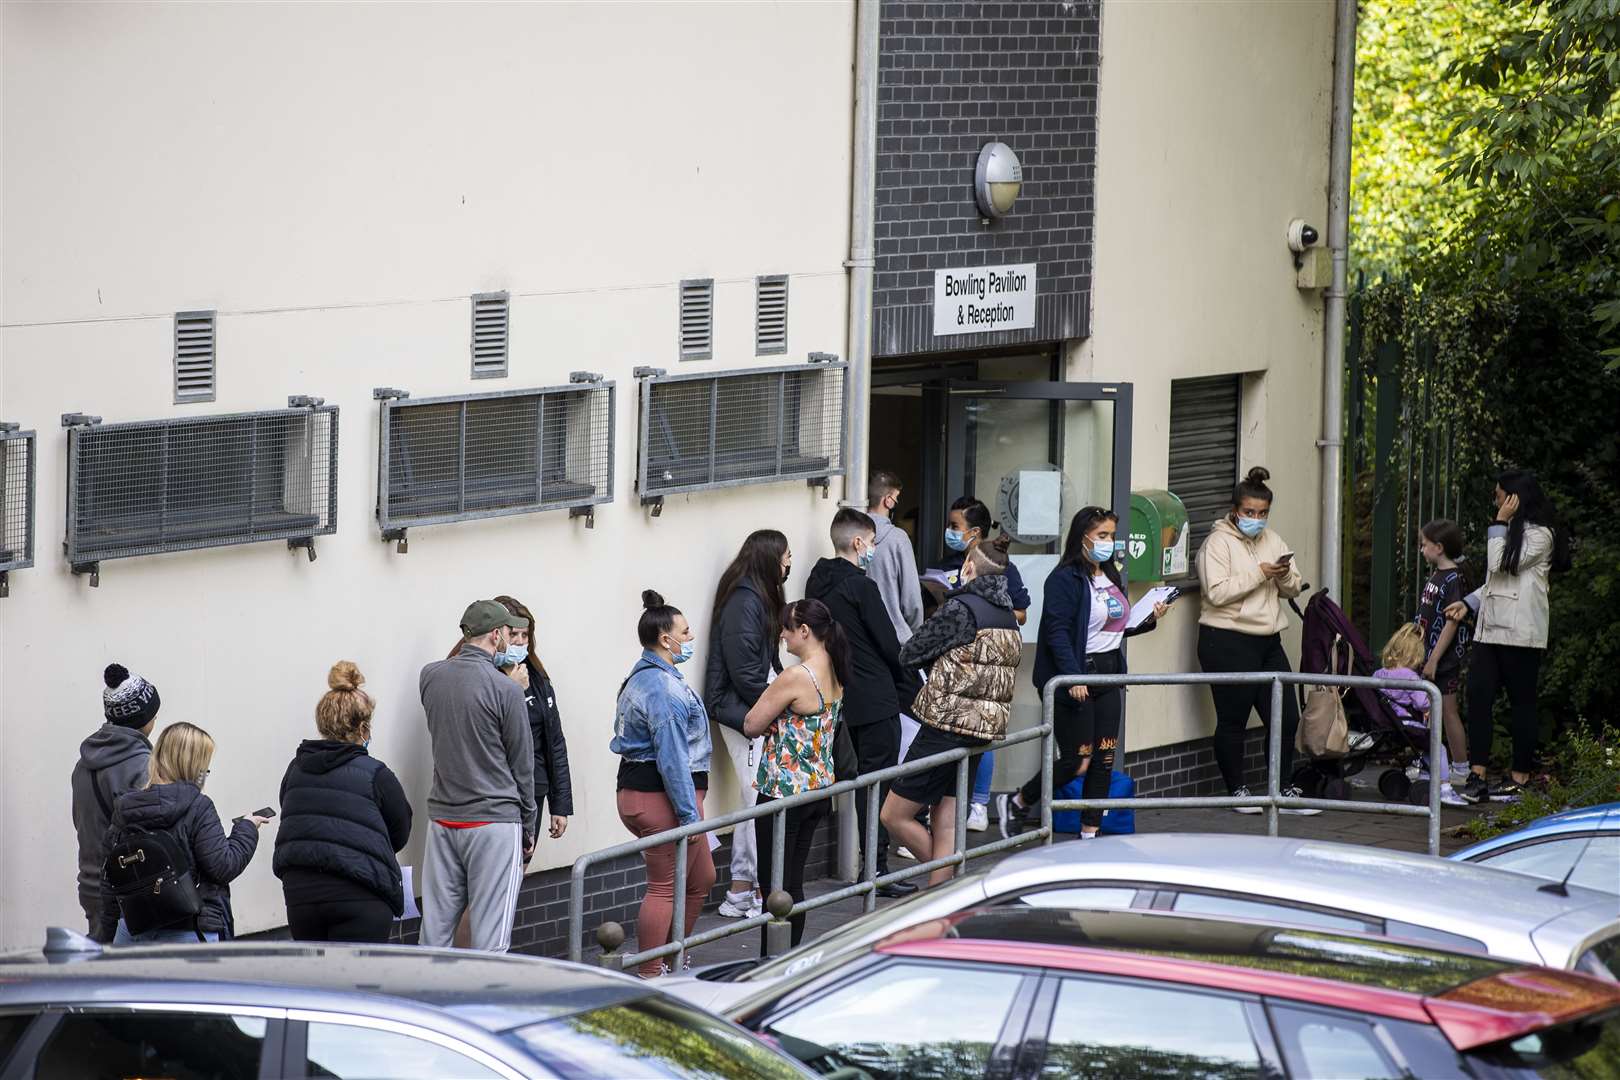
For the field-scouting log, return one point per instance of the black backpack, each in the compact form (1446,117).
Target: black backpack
(152,876)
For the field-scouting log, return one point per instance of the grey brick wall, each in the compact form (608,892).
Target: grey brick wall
(1188,768)
(954,76)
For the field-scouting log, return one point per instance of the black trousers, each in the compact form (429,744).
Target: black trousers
(1085,729)
(1517,668)
(1230,650)
(801,824)
(368,921)
(877,746)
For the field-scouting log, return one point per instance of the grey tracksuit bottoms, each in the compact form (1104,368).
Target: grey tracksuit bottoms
(479,871)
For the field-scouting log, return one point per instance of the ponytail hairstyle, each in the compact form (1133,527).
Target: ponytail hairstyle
(1534,509)
(814,614)
(657,619)
(1074,548)
(516,607)
(1449,535)
(1252,486)
(977,516)
(760,561)
(344,711)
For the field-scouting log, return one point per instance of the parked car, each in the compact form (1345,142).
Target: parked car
(1268,879)
(1580,845)
(1047,992)
(251,1010)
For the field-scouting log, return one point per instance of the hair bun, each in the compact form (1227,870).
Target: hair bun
(1259,474)
(345,676)
(650,599)
(114,676)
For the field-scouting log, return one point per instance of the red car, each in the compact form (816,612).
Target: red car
(1043,994)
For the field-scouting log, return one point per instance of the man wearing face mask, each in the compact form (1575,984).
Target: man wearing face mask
(878,684)
(481,805)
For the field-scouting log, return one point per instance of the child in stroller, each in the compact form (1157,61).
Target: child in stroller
(1402,656)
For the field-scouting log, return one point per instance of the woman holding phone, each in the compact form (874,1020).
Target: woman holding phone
(1246,571)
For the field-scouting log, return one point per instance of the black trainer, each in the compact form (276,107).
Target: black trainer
(1506,790)
(1474,791)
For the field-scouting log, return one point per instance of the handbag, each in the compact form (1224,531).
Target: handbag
(1324,731)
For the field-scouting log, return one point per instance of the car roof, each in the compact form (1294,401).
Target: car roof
(494,991)
(1419,889)
(1605,818)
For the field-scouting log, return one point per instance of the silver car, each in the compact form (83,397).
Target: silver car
(1272,880)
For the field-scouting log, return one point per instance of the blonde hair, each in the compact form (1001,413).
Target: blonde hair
(344,712)
(1404,649)
(183,752)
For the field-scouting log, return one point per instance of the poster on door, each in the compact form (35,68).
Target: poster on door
(984,299)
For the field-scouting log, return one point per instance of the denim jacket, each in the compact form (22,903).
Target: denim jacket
(660,718)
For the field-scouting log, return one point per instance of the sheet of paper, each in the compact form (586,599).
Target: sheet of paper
(1144,607)
(411,911)
(1040,493)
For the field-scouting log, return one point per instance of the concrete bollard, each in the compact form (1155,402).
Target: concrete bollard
(610,935)
(778,932)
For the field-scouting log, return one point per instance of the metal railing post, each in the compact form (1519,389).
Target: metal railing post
(869,845)
(778,849)
(1274,756)
(1437,776)
(576,911)
(1048,748)
(677,925)
(964,795)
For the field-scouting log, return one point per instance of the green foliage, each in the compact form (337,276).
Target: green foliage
(1587,774)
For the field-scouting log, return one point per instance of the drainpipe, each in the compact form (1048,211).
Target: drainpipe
(862,214)
(858,348)
(1333,314)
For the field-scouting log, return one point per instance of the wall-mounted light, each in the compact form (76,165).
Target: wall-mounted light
(997,179)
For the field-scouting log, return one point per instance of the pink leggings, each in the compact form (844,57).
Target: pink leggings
(645,813)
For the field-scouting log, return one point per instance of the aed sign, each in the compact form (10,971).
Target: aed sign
(984,299)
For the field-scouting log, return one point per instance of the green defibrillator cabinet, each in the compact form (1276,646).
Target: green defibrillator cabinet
(1156,542)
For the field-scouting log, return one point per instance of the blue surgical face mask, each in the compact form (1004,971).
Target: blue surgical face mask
(867,557)
(955,540)
(688,650)
(514,655)
(1102,550)
(1251,527)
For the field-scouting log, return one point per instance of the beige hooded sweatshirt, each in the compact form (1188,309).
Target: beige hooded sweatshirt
(1236,595)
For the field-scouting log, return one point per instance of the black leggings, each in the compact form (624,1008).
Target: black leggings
(1230,650)
(1085,729)
(347,920)
(1517,668)
(801,823)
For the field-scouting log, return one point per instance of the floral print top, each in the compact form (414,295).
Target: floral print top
(798,754)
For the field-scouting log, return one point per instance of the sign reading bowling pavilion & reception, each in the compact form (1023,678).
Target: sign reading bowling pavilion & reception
(984,299)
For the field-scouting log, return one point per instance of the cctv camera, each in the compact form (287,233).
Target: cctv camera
(1301,235)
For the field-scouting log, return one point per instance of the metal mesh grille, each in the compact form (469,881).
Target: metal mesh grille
(193,356)
(489,455)
(16,500)
(741,427)
(770,315)
(697,319)
(490,320)
(175,485)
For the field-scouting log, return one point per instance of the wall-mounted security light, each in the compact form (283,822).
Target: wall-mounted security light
(997,179)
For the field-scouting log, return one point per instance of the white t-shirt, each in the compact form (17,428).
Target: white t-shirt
(1109,616)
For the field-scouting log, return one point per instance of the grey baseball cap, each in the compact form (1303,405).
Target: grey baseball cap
(482,616)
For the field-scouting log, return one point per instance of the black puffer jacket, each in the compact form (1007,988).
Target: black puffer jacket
(186,813)
(878,684)
(553,787)
(344,814)
(742,654)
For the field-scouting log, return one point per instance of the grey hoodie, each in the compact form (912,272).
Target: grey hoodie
(483,752)
(112,761)
(894,568)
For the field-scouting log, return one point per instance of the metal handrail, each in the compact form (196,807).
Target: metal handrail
(869,882)
(1273,800)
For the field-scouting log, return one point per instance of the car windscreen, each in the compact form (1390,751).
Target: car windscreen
(1587,1050)
(867,928)
(1602,959)
(653,1036)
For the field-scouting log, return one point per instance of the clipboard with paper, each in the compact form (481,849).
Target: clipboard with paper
(1159,594)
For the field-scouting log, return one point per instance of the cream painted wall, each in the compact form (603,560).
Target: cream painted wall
(335,180)
(1213,133)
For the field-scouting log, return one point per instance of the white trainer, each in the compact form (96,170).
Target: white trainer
(978,817)
(1292,792)
(740,905)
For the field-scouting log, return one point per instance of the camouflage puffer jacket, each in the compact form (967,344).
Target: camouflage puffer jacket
(974,645)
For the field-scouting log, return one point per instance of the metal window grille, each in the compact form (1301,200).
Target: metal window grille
(752,426)
(17,471)
(194,356)
(159,486)
(697,319)
(490,455)
(1204,450)
(770,315)
(491,319)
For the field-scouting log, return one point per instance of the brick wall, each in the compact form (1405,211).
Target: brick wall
(954,76)
(1188,768)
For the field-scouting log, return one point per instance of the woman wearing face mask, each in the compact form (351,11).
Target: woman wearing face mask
(553,786)
(1246,571)
(743,658)
(344,816)
(1084,612)
(661,734)
(966,527)
(1510,636)
(798,716)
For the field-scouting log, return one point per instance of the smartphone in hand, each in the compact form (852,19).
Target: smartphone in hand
(1285,558)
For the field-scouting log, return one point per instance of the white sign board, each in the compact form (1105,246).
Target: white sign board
(979,300)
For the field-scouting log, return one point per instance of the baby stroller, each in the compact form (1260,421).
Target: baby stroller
(1330,644)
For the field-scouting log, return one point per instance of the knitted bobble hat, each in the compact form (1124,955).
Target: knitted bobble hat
(129,700)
